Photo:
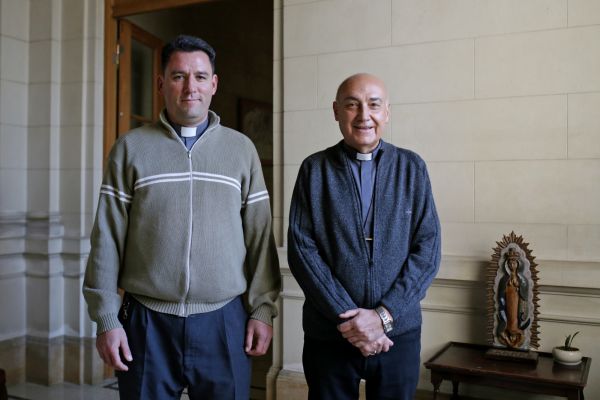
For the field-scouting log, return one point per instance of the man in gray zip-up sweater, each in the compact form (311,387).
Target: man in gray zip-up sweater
(184,228)
(364,245)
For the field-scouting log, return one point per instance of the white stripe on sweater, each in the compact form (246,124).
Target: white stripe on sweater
(113,194)
(116,191)
(256,200)
(264,192)
(152,182)
(185,176)
(223,177)
(171,175)
(197,178)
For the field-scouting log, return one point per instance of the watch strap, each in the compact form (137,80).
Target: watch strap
(386,320)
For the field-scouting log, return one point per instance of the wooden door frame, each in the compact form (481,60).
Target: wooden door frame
(128,32)
(113,10)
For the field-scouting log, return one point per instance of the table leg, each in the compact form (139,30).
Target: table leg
(436,381)
(575,395)
(455,390)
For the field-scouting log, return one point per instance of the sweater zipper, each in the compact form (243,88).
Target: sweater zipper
(187,275)
(361,228)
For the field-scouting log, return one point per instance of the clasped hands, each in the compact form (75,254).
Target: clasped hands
(364,330)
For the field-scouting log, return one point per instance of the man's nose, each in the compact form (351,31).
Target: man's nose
(363,111)
(188,85)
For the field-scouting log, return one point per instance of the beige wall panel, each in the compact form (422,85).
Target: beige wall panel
(293,298)
(43,97)
(38,183)
(454,295)
(584,242)
(427,72)
(461,268)
(13,103)
(277,86)
(293,2)
(307,132)
(440,327)
(323,26)
(300,83)
(584,12)
(39,55)
(72,150)
(12,287)
(453,188)
(71,110)
(13,147)
(38,148)
(73,20)
(290,173)
(72,181)
(548,241)
(14,199)
(584,125)
(430,20)
(277,138)
(558,61)
(14,59)
(73,70)
(292,344)
(579,307)
(41,14)
(538,192)
(571,274)
(14,19)
(502,129)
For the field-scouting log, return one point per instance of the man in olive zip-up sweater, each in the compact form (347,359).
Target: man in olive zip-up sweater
(364,246)
(184,228)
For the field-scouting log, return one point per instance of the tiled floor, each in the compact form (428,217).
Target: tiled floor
(66,391)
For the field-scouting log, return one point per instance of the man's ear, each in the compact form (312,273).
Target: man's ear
(387,112)
(335,110)
(159,83)
(215,82)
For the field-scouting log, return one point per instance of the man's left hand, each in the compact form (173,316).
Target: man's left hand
(258,337)
(362,326)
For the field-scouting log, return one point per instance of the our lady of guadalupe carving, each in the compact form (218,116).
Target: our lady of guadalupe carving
(513,296)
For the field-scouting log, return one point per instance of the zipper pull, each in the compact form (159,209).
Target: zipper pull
(189,154)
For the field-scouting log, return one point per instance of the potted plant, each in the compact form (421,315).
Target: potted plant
(567,354)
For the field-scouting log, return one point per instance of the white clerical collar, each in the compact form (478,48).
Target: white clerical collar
(188,131)
(364,156)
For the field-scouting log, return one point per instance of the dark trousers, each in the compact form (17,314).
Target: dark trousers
(203,352)
(333,369)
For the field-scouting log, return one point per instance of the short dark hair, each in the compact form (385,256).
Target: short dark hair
(186,44)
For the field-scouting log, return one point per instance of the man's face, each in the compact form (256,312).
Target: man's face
(362,111)
(187,86)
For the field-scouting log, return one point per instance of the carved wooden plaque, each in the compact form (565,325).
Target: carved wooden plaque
(512,309)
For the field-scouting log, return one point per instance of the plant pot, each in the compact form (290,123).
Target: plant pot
(567,356)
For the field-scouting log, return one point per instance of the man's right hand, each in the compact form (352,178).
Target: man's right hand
(109,343)
(380,345)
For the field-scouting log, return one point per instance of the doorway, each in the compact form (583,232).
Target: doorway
(241,31)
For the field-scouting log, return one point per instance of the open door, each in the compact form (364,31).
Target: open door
(138,101)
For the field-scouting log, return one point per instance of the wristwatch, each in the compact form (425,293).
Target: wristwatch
(386,319)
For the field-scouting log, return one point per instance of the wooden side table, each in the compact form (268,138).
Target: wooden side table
(462,362)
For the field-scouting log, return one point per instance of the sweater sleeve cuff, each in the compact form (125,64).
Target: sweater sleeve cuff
(264,313)
(107,322)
